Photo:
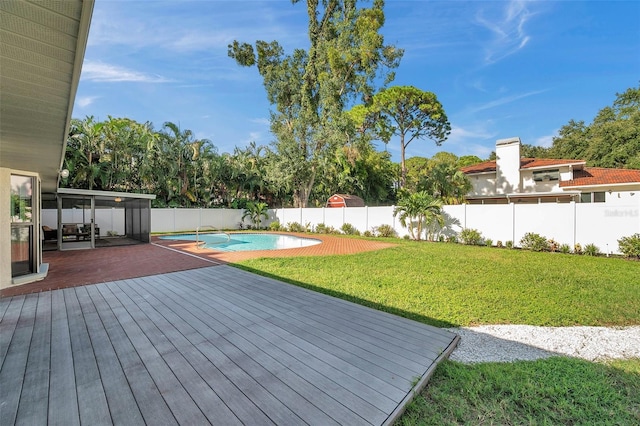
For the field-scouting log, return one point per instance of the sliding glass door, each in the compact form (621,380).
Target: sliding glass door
(24,249)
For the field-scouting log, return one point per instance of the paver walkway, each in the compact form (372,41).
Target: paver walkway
(81,267)
(214,345)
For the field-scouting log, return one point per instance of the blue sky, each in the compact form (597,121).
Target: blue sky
(500,68)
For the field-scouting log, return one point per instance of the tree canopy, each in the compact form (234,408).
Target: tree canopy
(309,89)
(406,112)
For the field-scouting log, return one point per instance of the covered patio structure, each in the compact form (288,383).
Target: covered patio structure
(90,218)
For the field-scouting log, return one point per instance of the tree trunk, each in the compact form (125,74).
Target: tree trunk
(403,166)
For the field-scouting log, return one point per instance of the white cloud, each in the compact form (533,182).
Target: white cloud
(505,100)
(508,31)
(101,72)
(85,101)
(261,121)
(544,141)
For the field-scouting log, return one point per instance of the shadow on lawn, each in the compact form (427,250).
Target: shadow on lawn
(364,302)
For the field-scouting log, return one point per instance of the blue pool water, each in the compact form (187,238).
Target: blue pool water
(246,242)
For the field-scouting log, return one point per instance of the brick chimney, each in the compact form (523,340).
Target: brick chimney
(508,165)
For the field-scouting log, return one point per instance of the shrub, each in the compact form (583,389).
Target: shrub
(630,246)
(509,244)
(452,239)
(499,244)
(577,249)
(553,245)
(384,231)
(349,229)
(488,242)
(534,242)
(367,234)
(471,237)
(565,248)
(274,226)
(441,238)
(591,250)
(321,228)
(295,227)
(406,237)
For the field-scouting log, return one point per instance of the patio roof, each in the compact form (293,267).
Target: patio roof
(43,45)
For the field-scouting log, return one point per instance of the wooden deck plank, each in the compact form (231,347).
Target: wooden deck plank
(63,399)
(34,399)
(15,361)
(148,398)
(122,404)
(393,323)
(188,340)
(162,333)
(182,406)
(9,323)
(92,401)
(366,318)
(341,395)
(229,358)
(4,305)
(346,359)
(215,345)
(345,346)
(371,395)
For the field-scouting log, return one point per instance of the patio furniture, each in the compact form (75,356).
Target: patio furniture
(49,234)
(83,230)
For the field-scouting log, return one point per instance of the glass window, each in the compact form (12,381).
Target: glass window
(21,199)
(546,175)
(585,197)
(598,197)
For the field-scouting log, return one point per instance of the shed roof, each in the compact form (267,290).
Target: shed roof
(349,200)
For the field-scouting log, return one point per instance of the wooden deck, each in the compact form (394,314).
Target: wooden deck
(214,345)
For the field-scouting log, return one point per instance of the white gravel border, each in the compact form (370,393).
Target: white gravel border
(508,343)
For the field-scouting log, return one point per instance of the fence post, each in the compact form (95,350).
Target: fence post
(513,223)
(575,223)
(366,218)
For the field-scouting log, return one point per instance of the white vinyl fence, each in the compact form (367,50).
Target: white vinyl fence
(571,223)
(601,224)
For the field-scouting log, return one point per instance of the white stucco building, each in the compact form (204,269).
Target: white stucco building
(512,179)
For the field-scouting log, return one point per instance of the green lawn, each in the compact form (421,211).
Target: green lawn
(554,391)
(450,284)
(456,285)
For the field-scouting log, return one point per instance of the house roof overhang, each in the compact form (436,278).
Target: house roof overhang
(43,46)
(105,195)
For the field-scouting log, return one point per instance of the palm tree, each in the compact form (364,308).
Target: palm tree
(255,212)
(419,211)
(86,144)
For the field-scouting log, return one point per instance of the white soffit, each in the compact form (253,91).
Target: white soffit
(42,46)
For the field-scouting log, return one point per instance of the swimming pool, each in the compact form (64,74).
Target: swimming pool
(246,241)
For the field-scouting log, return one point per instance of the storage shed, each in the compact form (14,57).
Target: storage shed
(343,200)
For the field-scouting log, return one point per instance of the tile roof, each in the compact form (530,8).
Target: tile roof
(531,163)
(602,176)
(525,163)
(486,166)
